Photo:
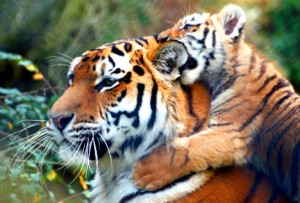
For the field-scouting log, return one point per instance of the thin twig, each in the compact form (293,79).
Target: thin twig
(4,133)
(34,91)
(71,197)
(49,85)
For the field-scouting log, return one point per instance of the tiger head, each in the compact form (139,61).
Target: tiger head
(212,40)
(119,102)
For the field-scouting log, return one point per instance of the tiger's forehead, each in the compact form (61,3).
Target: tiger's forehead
(194,19)
(113,60)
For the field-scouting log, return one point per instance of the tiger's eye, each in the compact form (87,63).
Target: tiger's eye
(109,81)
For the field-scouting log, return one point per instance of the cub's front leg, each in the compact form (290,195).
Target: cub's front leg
(199,152)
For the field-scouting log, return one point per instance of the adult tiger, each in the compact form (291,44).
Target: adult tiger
(254,113)
(119,107)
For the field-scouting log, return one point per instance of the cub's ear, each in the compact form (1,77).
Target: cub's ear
(169,59)
(233,19)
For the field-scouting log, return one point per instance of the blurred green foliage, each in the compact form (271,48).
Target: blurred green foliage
(27,172)
(282,31)
(49,27)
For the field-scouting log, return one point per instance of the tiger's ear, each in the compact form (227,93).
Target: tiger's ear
(233,19)
(169,59)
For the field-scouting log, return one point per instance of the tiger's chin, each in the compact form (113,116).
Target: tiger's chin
(81,148)
(82,153)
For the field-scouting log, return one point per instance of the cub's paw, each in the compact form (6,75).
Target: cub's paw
(160,168)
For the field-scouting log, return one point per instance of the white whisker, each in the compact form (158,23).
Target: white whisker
(109,154)
(65,55)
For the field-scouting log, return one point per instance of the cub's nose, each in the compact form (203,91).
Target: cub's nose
(61,121)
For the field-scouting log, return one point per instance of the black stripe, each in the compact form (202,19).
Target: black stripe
(144,40)
(215,108)
(188,91)
(133,195)
(207,63)
(224,85)
(135,112)
(95,58)
(138,42)
(192,38)
(159,139)
(153,105)
(266,82)
(138,70)
(257,180)
(85,58)
(282,120)
(122,96)
(252,61)
(277,137)
(214,38)
(211,55)
(280,169)
(280,102)
(100,112)
(131,143)
(295,171)
(202,41)
(263,68)
(280,84)
(127,47)
(127,78)
(111,61)
(275,193)
(141,88)
(117,51)
(226,110)
(117,71)
(155,36)
(218,124)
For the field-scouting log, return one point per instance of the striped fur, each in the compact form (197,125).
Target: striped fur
(120,105)
(254,113)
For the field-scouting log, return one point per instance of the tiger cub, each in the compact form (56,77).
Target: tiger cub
(254,113)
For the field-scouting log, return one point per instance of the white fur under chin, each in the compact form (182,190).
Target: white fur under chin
(123,186)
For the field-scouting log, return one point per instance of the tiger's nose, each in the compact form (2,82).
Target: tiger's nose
(61,121)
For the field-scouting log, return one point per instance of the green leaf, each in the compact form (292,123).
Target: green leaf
(7,91)
(19,60)
(87,193)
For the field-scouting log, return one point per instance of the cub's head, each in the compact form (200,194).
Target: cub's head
(212,40)
(120,100)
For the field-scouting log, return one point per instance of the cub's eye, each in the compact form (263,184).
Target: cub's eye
(189,26)
(108,81)
(186,27)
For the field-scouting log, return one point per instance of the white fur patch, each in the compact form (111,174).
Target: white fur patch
(124,187)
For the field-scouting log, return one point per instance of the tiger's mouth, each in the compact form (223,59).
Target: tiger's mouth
(90,145)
